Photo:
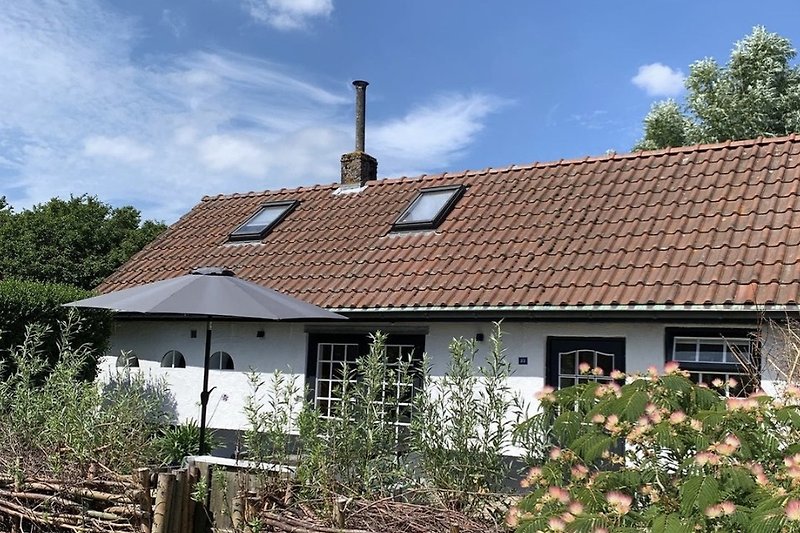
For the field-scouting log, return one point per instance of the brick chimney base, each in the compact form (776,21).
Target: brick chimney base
(358,168)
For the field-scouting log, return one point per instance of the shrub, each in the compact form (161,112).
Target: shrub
(460,428)
(52,422)
(268,438)
(177,442)
(663,454)
(27,302)
(357,453)
(462,422)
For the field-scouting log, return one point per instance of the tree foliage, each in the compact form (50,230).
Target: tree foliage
(78,241)
(756,94)
(663,454)
(23,303)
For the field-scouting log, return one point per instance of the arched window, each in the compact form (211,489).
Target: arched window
(127,360)
(173,359)
(220,361)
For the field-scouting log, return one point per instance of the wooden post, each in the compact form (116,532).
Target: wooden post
(338,512)
(186,496)
(141,477)
(194,477)
(176,509)
(161,510)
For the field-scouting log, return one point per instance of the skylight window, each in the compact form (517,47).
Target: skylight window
(429,208)
(269,216)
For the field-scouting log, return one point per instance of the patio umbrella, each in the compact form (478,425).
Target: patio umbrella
(209,293)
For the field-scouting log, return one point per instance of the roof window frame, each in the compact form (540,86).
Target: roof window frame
(237,235)
(433,223)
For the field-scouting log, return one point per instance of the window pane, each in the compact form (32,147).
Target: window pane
(267,216)
(711,353)
(427,206)
(392,353)
(259,224)
(685,351)
(325,370)
(566,382)
(338,353)
(738,352)
(568,363)
(325,352)
(173,359)
(586,356)
(323,388)
(220,361)
(605,362)
(339,369)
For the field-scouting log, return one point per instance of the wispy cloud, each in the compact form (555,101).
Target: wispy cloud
(175,22)
(597,119)
(435,133)
(120,148)
(80,116)
(657,79)
(287,14)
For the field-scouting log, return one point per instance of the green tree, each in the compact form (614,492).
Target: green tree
(756,94)
(78,241)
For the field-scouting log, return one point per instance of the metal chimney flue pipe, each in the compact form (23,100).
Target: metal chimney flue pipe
(361,112)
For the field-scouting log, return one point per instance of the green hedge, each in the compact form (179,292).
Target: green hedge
(26,302)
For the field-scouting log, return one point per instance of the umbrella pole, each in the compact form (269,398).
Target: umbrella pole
(204,394)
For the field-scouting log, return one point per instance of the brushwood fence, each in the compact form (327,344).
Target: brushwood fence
(145,502)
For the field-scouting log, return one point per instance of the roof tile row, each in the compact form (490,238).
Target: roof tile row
(704,225)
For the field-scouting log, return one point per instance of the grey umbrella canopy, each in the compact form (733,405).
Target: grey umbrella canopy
(208,293)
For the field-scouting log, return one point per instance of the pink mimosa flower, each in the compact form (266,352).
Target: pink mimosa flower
(793,510)
(677,417)
(619,501)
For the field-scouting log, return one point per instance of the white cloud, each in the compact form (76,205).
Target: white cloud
(436,133)
(176,23)
(659,80)
(120,148)
(80,116)
(287,14)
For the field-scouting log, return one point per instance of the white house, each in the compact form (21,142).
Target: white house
(624,261)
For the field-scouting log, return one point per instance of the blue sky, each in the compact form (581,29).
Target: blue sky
(156,103)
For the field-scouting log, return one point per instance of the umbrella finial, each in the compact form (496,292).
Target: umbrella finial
(213,271)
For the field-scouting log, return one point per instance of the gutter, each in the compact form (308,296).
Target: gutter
(513,309)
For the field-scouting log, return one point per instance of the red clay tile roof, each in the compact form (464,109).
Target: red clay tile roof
(703,225)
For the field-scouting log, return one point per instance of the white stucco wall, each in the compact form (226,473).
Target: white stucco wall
(284,347)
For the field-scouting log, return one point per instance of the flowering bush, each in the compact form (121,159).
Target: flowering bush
(662,454)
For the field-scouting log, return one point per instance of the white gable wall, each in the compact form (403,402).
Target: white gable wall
(284,347)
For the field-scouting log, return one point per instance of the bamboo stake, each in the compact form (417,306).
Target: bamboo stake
(164,490)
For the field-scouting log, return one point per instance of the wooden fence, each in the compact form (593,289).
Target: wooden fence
(185,500)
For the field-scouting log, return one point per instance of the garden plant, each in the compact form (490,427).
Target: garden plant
(660,453)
